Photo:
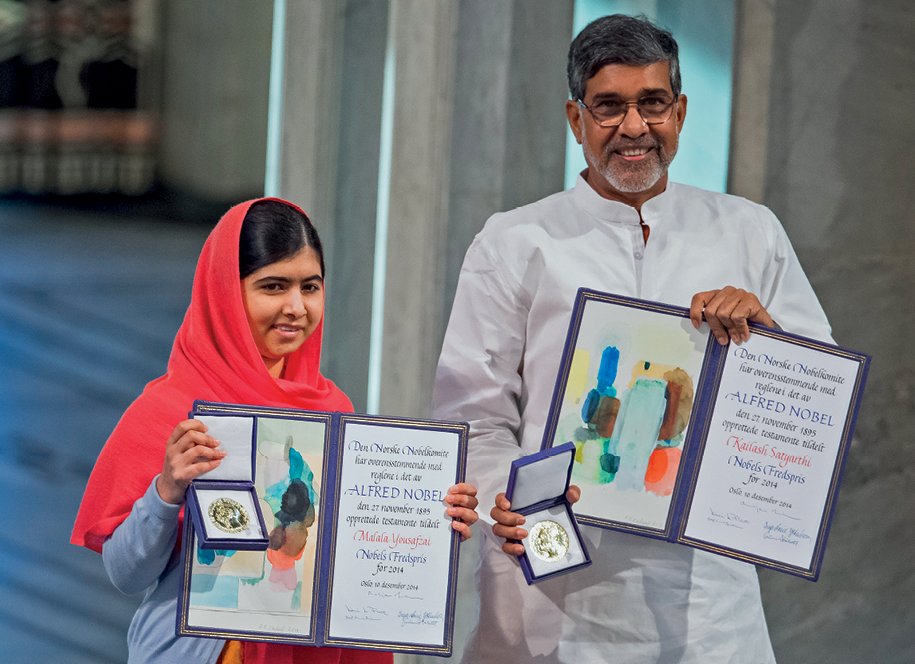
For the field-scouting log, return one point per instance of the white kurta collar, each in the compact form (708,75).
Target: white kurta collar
(614,211)
(603,208)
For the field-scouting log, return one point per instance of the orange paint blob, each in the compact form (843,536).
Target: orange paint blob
(280,560)
(661,475)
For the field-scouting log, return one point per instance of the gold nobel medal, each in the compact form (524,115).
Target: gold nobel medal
(549,541)
(228,515)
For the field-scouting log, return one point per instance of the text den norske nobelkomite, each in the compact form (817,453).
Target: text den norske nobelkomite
(394,520)
(777,430)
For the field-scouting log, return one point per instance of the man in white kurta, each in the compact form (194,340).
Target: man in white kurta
(641,600)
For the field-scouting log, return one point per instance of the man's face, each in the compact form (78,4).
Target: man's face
(629,162)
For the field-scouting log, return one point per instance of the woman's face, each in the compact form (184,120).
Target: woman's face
(284,302)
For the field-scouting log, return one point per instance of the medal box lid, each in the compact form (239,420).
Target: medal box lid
(540,477)
(236,436)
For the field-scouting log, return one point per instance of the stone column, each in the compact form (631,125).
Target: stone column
(347,324)
(331,125)
(753,43)
(424,37)
(508,142)
(479,128)
(311,98)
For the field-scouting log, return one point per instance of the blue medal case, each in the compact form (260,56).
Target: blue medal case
(234,479)
(537,486)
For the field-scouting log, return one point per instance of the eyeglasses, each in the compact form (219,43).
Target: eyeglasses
(652,110)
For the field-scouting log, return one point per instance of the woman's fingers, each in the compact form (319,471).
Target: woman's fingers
(193,439)
(462,495)
(183,428)
(462,505)
(189,453)
(196,461)
(467,516)
(463,528)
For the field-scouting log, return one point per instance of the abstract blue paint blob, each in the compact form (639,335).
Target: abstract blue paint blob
(296,464)
(636,434)
(300,472)
(610,464)
(213,590)
(589,407)
(609,363)
(206,556)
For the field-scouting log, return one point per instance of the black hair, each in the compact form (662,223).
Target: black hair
(274,231)
(623,40)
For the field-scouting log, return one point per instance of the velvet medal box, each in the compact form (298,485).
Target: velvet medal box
(222,503)
(537,486)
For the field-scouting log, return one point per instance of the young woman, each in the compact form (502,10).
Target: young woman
(252,335)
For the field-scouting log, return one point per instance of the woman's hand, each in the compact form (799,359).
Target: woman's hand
(189,453)
(462,503)
(508,522)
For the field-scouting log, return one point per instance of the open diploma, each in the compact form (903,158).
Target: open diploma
(735,449)
(371,563)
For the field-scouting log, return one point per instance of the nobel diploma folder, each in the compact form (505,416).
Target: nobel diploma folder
(359,551)
(735,449)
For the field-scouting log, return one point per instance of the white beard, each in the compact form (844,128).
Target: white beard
(632,178)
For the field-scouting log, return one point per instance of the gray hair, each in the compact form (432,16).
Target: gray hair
(620,39)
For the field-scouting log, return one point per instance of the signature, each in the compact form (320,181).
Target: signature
(755,507)
(276,629)
(641,521)
(420,618)
(782,533)
(727,519)
(398,595)
(364,613)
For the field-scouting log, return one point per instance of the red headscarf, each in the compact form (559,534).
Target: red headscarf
(214,358)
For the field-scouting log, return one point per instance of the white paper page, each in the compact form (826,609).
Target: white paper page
(234,436)
(772,448)
(393,549)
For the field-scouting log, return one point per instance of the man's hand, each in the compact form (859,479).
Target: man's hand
(507,522)
(727,312)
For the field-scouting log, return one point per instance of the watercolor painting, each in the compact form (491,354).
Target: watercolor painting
(289,463)
(626,404)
